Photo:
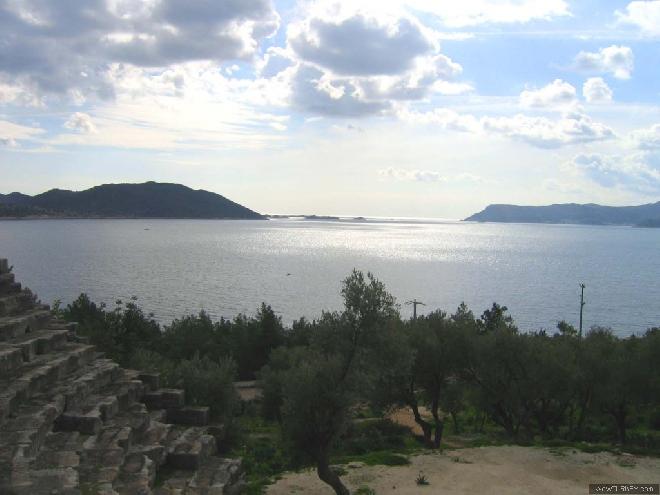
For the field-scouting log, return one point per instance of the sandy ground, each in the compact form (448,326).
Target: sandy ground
(507,470)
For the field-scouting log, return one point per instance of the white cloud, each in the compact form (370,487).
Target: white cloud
(11,134)
(541,132)
(387,45)
(187,107)
(457,14)
(573,128)
(444,118)
(644,15)
(312,91)
(398,60)
(647,139)
(557,94)
(414,175)
(596,90)
(62,49)
(616,60)
(473,12)
(81,122)
(639,172)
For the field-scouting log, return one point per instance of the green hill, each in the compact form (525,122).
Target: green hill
(148,200)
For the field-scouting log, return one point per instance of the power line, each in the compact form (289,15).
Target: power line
(582,303)
(415,303)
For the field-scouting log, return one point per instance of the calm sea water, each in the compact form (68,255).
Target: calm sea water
(178,267)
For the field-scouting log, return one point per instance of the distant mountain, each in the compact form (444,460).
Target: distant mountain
(148,200)
(591,214)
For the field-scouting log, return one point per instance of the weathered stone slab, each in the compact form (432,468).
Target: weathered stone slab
(164,398)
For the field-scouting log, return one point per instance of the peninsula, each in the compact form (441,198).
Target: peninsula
(647,215)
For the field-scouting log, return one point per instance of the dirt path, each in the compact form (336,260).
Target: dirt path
(492,470)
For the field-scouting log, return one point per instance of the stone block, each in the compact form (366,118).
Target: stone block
(4,265)
(150,380)
(164,398)
(87,424)
(190,416)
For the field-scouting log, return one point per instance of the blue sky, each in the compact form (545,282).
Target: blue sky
(420,108)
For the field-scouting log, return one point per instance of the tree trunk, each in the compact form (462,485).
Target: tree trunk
(439,424)
(426,427)
(620,417)
(454,418)
(328,476)
(582,418)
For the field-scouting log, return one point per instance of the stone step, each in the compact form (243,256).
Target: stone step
(43,374)
(36,343)
(100,373)
(217,476)
(164,398)
(11,359)
(99,468)
(31,321)
(189,448)
(189,416)
(136,475)
(8,284)
(16,303)
(30,425)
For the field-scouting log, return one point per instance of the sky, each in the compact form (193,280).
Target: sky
(392,108)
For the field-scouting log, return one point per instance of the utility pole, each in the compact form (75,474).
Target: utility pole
(582,303)
(415,303)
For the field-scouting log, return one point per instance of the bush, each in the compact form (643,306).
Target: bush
(207,382)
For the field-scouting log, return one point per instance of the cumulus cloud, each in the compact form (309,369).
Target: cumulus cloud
(386,46)
(573,128)
(647,139)
(542,132)
(81,122)
(557,94)
(314,92)
(398,60)
(596,90)
(637,172)
(58,47)
(645,15)
(616,60)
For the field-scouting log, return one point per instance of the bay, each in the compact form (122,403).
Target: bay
(179,267)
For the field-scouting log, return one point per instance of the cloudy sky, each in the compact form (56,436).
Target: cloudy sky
(410,108)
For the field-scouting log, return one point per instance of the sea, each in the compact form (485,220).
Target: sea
(225,267)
